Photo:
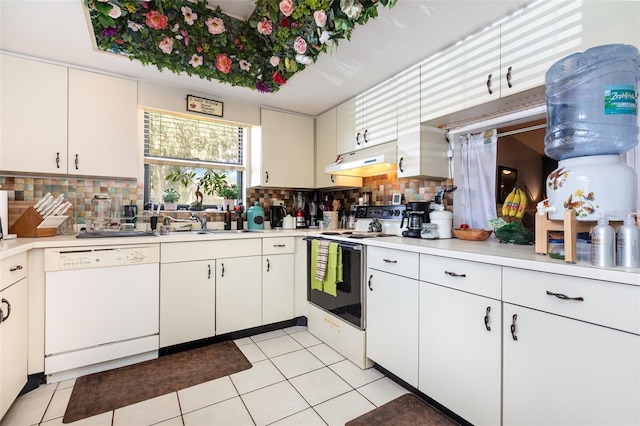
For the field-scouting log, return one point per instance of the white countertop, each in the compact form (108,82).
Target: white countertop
(489,251)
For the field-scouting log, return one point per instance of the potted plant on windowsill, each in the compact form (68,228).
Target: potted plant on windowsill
(170,197)
(229,193)
(211,182)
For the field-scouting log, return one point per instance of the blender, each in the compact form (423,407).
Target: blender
(299,204)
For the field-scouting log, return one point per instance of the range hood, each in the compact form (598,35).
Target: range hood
(375,160)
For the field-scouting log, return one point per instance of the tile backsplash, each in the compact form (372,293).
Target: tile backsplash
(79,191)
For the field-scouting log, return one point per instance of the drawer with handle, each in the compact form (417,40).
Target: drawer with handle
(473,277)
(397,262)
(599,302)
(13,269)
(277,245)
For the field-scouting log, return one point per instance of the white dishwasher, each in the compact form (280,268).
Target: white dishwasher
(101,308)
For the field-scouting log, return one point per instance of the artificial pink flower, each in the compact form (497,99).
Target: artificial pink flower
(265,27)
(215,25)
(156,20)
(115,12)
(189,16)
(166,45)
(244,65)
(223,63)
(286,7)
(274,61)
(320,16)
(195,61)
(300,45)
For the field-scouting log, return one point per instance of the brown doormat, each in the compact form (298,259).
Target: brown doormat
(105,391)
(405,410)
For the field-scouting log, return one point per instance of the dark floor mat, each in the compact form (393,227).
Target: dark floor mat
(101,392)
(406,410)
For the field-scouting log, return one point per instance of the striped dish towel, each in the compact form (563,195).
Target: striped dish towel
(321,263)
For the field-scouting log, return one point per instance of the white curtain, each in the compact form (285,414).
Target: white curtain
(478,156)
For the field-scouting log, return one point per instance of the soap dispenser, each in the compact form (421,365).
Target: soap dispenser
(603,238)
(627,243)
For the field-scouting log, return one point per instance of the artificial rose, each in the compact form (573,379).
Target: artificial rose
(286,7)
(189,16)
(265,27)
(185,35)
(215,25)
(303,59)
(166,45)
(300,45)
(274,61)
(244,65)
(325,38)
(195,61)
(223,63)
(351,8)
(156,20)
(278,78)
(320,16)
(115,12)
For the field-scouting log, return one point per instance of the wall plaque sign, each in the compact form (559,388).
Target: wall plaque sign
(204,106)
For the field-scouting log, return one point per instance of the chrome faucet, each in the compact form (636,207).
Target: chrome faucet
(202,220)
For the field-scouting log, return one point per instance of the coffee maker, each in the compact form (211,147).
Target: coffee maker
(276,216)
(416,213)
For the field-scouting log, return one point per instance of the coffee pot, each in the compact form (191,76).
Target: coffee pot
(414,223)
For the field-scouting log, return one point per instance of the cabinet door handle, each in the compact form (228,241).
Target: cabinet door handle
(222,270)
(453,274)
(513,326)
(400,164)
(509,78)
(358,138)
(16,268)
(266,177)
(4,317)
(489,84)
(333,179)
(209,273)
(77,161)
(389,261)
(279,245)
(268,265)
(57,160)
(369,282)
(486,319)
(565,297)
(366,140)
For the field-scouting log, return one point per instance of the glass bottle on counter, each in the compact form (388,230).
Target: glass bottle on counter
(227,219)
(101,210)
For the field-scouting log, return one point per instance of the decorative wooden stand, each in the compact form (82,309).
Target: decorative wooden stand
(570,226)
(27,225)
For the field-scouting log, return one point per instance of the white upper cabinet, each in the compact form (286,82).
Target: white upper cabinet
(102,125)
(67,121)
(326,153)
(462,76)
(532,41)
(422,150)
(282,151)
(368,119)
(34,116)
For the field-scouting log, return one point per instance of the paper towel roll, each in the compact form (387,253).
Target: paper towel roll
(4,211)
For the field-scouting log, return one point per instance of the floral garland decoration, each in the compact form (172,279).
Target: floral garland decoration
(280,38)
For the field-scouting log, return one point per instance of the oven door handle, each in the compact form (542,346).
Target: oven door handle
(350,246)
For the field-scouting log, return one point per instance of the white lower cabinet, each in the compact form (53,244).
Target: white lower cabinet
(571,350)
(238,293)
(277,288)
(460,352)
(187,301)
(392,312)
(566,372)
(13,329)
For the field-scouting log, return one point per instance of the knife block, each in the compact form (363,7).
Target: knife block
(27,225)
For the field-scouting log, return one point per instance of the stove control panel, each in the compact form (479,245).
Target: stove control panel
(380,212)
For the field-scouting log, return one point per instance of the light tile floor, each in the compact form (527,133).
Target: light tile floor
(295,380)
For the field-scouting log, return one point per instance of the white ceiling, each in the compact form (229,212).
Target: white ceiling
(400,37)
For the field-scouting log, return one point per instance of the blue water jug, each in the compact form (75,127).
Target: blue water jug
(255,217)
